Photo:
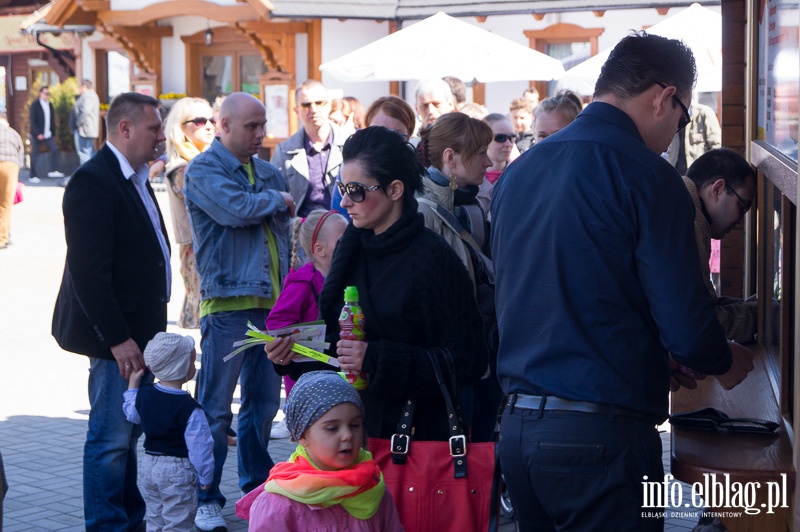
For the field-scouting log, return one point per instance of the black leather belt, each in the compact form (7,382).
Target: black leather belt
(534,402)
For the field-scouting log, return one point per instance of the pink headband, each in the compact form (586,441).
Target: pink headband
(318,227)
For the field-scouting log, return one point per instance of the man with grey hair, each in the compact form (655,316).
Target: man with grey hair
(433,98)
(310,158)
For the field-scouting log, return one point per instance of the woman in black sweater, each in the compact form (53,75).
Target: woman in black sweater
(415,293)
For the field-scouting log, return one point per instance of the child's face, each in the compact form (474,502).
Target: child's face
(334,440)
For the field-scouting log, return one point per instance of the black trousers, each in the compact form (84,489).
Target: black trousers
(43,163)
(579,472)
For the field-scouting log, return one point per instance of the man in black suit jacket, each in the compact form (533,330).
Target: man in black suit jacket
(113,298)
(43,131)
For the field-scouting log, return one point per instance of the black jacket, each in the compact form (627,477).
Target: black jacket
(37,119)
(114,286)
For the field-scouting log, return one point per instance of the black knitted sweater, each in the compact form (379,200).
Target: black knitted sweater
(417,297)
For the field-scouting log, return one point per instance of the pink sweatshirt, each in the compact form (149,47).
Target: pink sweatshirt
(296,304)
(273,512)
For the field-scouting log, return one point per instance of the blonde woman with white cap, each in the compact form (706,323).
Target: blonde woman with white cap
(178,443)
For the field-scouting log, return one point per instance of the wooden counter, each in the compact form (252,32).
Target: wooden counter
(745,457)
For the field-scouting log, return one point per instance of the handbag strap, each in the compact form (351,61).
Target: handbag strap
(401,439)
(400,442)
(458,440)
(452,222)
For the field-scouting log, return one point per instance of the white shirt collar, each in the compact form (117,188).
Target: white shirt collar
(127,170)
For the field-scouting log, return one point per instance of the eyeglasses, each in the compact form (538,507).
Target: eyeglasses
(318,103)
(201,121)
(686,117)
(355,191)
(742,202)
(502,137)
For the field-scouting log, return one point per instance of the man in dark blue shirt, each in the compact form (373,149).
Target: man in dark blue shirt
(597,283)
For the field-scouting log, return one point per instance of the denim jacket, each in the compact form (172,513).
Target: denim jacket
(226,213)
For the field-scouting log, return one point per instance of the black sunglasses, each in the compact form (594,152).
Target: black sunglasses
(502,137)
(744,203)
(686,117)
(318,103)
(201,121)
(355,191)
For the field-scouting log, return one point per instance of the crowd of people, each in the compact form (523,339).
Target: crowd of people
(549,249)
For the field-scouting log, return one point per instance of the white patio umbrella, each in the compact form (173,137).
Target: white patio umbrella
(698,27)
(439,46)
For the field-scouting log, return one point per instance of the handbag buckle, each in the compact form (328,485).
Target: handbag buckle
(458,446)
(400,443)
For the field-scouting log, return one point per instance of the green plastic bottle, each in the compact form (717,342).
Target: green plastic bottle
(351,327)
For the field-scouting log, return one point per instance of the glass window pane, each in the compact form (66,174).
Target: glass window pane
(251,67)
(118,72)
(217,75)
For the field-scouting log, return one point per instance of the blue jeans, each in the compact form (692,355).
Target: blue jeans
(111,500)
(576,471)
(84,147)
(260,389)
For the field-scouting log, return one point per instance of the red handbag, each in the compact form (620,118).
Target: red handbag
(438,485)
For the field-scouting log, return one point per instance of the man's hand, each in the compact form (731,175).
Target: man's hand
(741,365)
(40,136)
(678,378)
(289,201)
(129,358)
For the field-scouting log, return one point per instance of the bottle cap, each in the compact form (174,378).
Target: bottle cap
(351,294)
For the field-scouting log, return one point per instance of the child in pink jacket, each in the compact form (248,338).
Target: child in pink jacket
(331,482)
(318,233)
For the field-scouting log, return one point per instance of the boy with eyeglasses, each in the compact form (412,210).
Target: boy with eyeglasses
(723,186)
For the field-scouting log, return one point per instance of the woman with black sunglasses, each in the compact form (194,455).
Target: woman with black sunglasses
(189,129)
(502,150)
(415,293)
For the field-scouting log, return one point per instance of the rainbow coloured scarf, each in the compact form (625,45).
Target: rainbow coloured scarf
(359,488)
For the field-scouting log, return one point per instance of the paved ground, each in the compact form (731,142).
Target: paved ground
(43,397)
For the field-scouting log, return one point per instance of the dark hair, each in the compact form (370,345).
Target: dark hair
(464,134)
(128,105)
(458,88)
(385,156)
(43,88)
(566,102)
(640,60)
(721,163)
